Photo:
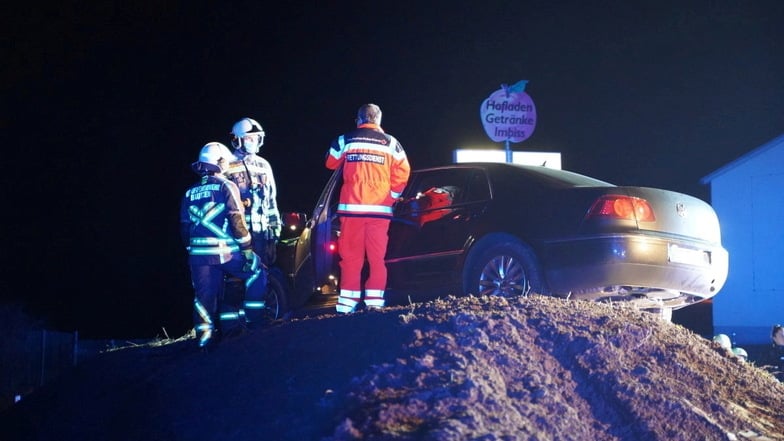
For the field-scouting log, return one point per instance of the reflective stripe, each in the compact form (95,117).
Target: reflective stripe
(350,294)
(205,216)
(347,301)
(204,315)
(374,298)
(255,267)
(205,327)
(226,316)
(207,241)
(243,240)
(344,309)
(255,304)
(360,208)
(342,144)
(213,251)
(205,337)
(364,146)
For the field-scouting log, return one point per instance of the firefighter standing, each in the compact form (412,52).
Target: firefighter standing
(253,175)
(375,171)
(213,228)
(254,178)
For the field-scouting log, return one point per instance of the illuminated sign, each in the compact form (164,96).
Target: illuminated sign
(509,114)
(546,159)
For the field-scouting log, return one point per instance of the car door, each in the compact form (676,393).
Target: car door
(437,216)
(316,262)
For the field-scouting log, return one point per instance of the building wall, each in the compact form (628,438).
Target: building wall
(749,200)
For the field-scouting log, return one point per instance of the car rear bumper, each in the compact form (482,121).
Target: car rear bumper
(602,264)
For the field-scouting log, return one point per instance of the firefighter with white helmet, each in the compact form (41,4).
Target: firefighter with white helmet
(253,175)
(213,229)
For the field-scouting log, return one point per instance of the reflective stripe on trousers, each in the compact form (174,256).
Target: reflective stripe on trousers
(374,298)
(348,301)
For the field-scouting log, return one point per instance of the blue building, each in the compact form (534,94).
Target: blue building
(748,196)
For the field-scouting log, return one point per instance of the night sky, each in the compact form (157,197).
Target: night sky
(105,107)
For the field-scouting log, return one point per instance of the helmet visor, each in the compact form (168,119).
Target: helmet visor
(250,142)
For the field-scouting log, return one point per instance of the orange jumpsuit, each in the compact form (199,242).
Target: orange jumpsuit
(375,172)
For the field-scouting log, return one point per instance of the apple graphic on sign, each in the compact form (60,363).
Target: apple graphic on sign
(509,114)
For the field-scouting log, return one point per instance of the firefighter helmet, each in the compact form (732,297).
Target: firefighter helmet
(723,340)
(213,157)
(248,135)
(740,353)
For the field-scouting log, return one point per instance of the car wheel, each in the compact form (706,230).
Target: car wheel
(275,299)
(501,266)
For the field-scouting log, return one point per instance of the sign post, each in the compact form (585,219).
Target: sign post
(509,115)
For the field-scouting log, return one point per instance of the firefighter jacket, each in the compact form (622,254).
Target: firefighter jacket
(212,224)
(253,175)
(375,171)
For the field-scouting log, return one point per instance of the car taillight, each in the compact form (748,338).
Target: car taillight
(332,247)
(622,207)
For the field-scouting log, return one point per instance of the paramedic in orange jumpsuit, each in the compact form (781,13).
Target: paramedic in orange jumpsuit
(375,172)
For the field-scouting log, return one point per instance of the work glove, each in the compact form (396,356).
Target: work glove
(251,261)
(274,232)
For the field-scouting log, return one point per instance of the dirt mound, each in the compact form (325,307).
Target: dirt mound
(538,368)
(532,368)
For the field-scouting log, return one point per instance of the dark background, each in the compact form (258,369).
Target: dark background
(106,105)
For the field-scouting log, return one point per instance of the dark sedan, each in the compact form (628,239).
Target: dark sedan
(504,229)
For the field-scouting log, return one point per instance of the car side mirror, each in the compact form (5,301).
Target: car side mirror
(293,224)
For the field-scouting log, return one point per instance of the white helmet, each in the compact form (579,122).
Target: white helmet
(213,157)
(723,340)
(740,353)
(248,135)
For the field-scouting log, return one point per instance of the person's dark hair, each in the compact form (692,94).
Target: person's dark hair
(369,113)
